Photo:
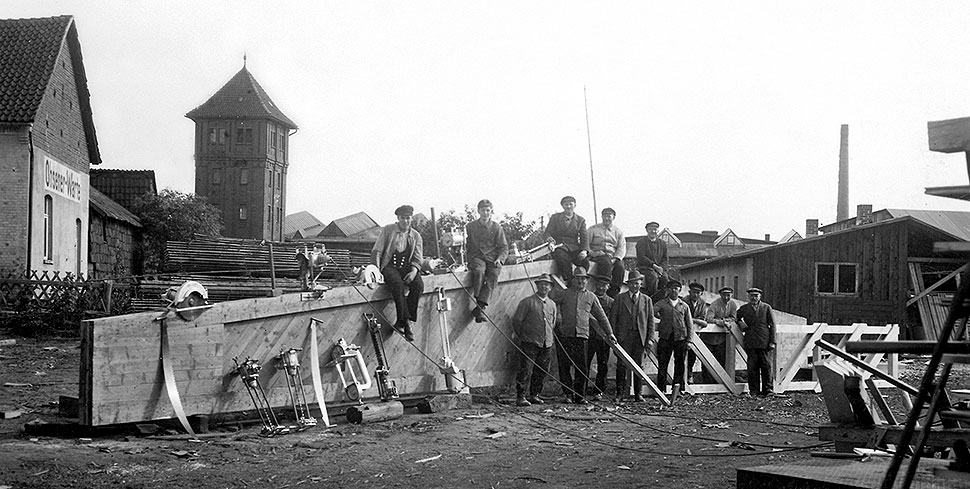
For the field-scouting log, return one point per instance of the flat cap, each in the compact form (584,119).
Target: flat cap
(753,290)
(695,286)
(404,210)
(652,223)
(568,198)
(608,210)
(484,203)
(673,283)
(543,278)
(725,289)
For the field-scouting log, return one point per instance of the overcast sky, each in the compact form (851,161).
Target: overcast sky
(703,115)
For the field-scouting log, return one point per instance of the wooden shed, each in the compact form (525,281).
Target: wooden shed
(861,274)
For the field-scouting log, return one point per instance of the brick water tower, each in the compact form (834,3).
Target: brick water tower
(241,160)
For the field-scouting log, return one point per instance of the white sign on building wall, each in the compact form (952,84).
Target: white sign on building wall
(62,180)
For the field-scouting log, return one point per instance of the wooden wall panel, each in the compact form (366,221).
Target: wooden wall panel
(121,375)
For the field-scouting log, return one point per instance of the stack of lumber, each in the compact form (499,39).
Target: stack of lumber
(250,257)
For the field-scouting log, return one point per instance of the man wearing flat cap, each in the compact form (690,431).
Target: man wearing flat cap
(633,321)
(578,307)
(607,247)
(756,319)
(652,259)
(597,346)
(721,312)
(568,230)
(674,329)
(533,325)
(698,313)
(487,250)
(398,254)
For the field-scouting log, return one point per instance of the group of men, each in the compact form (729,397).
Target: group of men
(581,325)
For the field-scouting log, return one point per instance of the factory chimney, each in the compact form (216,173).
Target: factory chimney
(842,209)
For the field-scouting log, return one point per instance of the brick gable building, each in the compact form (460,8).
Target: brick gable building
(241,158)
(47,146)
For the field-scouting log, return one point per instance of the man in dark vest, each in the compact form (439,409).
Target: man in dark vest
(398,254)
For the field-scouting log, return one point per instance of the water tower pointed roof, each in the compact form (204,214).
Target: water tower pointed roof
(240,98)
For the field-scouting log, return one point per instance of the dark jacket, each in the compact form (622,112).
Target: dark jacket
(675,322)
(607,303)
(572,232)
(535,320)
(758,324)
(629,318)
(487,241)
(651,253)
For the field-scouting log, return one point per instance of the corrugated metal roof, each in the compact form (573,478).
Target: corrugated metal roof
(101,204)
(956,223)
(349,225)
(300,221)
(240,97)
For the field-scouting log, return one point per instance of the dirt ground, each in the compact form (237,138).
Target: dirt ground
(697,443)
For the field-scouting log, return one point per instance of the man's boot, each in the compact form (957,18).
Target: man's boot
(408,333)
(674,393)
(521,401)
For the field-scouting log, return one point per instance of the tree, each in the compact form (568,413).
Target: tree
(517,230)
(172,216)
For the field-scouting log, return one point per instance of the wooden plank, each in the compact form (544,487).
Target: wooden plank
(949,136)
(797,356)
(122,360)
(936,285)
(710,363)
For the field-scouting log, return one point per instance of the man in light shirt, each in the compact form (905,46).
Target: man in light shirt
(607,247)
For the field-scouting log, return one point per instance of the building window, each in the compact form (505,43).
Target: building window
(48,229)
(269,178)
(279,180)
(730,240)
(272,137)
(244,135)
(836,278)
(243,213)
(218,135)
(77,247)
(244,176)
(269,214)
(217,176)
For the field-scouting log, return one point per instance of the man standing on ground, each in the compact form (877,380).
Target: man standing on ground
(673,330)
(698,313)
(652,260)
(568,229)
(487,250)
(578,306)
(533,324)
(757,320)
(633,323)
(607,247)
(597,346)
(721,312)
(398,255)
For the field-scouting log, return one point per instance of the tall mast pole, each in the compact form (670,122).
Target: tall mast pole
(589,144)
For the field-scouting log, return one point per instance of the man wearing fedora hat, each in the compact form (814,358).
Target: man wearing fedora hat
(567,230)
(487,249)
(756,319)
(398,254)
(721,312)
(674,330)
(533,325)
(597,346)
(633,323)
(580,310)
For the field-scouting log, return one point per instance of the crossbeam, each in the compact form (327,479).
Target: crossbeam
(829,347)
